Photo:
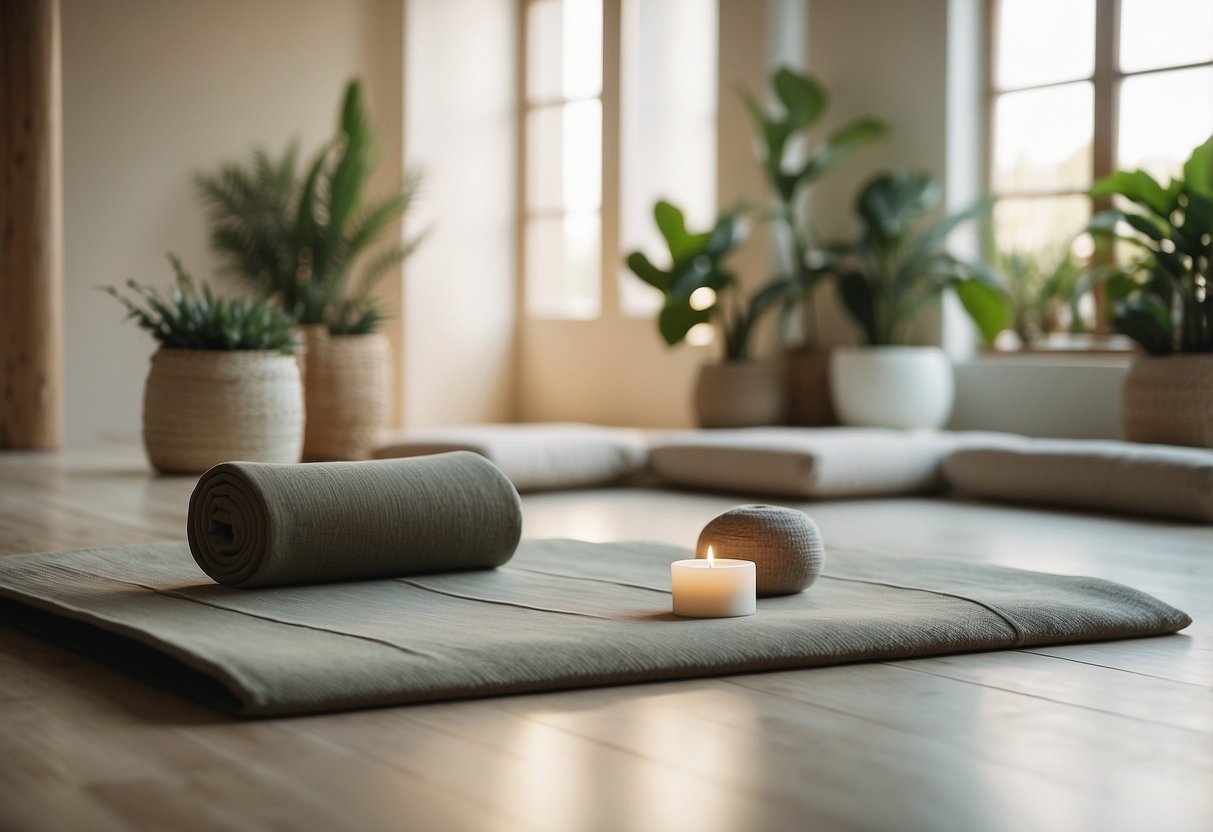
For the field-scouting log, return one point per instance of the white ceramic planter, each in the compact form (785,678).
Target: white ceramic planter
(892,387)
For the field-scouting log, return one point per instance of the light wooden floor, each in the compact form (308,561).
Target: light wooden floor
(1095,737)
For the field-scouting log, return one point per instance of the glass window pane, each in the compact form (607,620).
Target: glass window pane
(563,266)
(544,50)
(564,49)
(582,136)
(1042,138)
(1042,225)
(544,159)
(1158,33)
(1044,41)
(582,66)
(564,157)
(668,128)
(1163,116)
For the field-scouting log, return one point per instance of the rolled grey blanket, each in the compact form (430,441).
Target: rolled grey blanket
(256,524)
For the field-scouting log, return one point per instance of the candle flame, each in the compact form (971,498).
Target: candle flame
(711,558)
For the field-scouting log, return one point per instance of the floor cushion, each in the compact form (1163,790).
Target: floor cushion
(1131,477)
(535,457)
(803,462)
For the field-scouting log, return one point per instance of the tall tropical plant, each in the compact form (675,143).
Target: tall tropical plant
(301,236)
(892,270)
(1164,302)
(697,288)
(792,163)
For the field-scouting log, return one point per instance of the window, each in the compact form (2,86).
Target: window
(667,126)
(1080,88)
(563,181)
(663,139)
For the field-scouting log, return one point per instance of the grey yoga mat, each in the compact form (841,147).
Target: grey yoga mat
(560,614)
(256,524)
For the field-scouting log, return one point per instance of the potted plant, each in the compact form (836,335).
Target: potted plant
(1164,301)
(308,240)
(700,292)
(792,164)
(1042,290)
(884,279)
(224,384)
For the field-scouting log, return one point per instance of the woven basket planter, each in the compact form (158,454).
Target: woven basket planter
(1169,400)
(348,394)
(810,403)
(203,407)
(740,394)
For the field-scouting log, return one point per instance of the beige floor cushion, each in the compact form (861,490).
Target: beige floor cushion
(536,457)
(1128,477)
(803,462)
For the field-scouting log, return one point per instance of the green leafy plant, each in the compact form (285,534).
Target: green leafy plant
(189,318)
(298,236)
(1039,287)
(1163,302)
(696,259)
(696,287)
(800,102)
(891,271)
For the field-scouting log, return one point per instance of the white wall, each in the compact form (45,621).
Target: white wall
(887,59)
(459,301)
(154,92)
(1063,396)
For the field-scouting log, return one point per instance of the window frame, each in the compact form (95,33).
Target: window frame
(1105,79)
(611,301)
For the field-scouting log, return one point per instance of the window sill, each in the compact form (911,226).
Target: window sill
(1052,358)
(1061,347)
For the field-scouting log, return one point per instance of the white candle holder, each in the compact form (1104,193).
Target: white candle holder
(713,587)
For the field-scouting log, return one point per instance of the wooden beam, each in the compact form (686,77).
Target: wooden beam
(31,226)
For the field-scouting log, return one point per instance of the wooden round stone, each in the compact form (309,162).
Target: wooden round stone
(783,543)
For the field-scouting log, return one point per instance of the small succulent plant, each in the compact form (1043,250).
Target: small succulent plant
(189,318)
(1040,286)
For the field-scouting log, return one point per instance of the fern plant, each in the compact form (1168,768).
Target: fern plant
(189,318)
(299,237)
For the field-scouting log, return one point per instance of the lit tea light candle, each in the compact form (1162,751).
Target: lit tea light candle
(713,587)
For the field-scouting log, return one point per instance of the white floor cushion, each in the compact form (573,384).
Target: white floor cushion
(536,457)
(804,462)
